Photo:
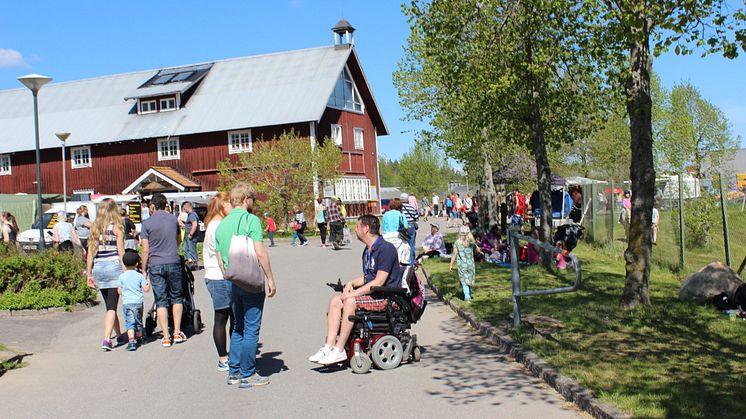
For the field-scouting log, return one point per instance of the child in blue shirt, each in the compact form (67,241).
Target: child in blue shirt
(132,286)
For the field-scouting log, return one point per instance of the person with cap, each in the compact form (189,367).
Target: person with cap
(270,229)
(412,216)
(63,234)
(434,245)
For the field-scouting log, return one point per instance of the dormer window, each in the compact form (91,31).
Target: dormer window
(148,106)
(168,104)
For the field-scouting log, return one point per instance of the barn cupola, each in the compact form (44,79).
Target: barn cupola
(343,33)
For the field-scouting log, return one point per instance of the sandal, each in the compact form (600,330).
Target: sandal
(180,337)
(166,342)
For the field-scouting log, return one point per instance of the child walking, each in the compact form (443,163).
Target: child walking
(132,286)
(270,229)
(463,257)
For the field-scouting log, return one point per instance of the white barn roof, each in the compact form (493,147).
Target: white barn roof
(262,90)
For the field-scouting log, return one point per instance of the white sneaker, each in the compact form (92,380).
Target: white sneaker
(320,354)
(334,356)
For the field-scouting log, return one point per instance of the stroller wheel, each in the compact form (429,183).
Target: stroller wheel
(149,326)
(197,322)
(360,363)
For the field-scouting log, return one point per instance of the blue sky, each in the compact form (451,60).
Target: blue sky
(71,40)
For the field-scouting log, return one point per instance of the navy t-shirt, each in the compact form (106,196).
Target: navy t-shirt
(382,257)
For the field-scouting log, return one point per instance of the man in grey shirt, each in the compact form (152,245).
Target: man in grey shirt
(160,259)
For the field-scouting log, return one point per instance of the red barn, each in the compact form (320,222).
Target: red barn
(166,129)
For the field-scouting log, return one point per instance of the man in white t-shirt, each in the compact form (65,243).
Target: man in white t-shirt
(656,219)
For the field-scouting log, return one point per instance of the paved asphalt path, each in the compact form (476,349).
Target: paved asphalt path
(460,375)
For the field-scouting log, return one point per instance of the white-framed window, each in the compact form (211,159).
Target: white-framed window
(358,138)
(5,168)
(168,149)
(345,94)
(148,106)
(168,104)
(82,194)
(239,142)
(353,189)
(80,157)
(337,134)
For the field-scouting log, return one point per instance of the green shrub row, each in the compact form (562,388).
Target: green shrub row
(41,280)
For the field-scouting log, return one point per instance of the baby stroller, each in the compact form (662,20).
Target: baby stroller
(382,338)
(191,317)
(569,234)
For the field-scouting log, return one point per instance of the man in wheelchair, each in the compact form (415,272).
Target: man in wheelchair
(380,269)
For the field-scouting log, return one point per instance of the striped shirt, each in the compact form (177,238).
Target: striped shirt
(410,212)
(107,245)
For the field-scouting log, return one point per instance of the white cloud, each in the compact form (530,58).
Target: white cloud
(11,58)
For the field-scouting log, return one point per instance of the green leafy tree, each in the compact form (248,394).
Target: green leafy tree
(389,172)
(695,131)
(624,30)
(424,169)
(487,73)
(282,171)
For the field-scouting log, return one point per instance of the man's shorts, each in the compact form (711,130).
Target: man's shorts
(166,282)
(366,302)
(133,316)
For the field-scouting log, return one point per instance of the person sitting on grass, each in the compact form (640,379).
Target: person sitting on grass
(380,268)
(132,286)
(433,246)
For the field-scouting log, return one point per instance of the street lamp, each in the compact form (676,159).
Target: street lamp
(34,82)
(63,137)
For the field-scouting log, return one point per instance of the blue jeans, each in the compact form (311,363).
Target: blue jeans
(412,236)
(190,248)
(166,282)
(133,316)
(271,235)
(295,236)
(247,310)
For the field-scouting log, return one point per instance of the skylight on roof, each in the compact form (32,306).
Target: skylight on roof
(163,79)
(182,76)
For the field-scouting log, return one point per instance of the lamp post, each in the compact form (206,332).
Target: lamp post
(34,82)
(63,137)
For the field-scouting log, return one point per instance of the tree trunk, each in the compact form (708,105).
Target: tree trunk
(543,182)
(642,171)
(489,196)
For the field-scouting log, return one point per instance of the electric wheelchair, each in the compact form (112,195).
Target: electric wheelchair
(383,338)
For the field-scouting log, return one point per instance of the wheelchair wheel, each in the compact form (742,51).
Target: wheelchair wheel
(387,352)
(361,363)
(416,354)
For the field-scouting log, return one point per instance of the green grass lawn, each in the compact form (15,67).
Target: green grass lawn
(674,360)
(666,252)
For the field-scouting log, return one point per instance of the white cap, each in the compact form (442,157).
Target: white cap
(404,196)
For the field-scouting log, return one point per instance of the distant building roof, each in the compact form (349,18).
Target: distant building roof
(262,90)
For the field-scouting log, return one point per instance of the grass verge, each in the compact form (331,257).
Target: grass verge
(675,359)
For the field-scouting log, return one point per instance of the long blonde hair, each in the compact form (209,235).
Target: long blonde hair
(108,213)
(215,206)
(465,237)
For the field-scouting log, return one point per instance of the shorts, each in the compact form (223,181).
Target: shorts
(366,302)
(167,284)
(220,291)
(133,317)
(111,298)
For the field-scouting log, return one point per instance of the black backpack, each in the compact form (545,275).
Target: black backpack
(722,302)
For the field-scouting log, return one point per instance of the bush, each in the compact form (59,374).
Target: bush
(701,215)
(41,280)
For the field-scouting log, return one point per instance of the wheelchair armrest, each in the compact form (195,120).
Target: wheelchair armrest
(389,290)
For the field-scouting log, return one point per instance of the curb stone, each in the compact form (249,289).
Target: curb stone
(568,388)
(43,311)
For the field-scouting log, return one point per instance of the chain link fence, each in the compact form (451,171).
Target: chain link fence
(711,231)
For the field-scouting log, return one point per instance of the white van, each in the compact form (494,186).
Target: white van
(29,239)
